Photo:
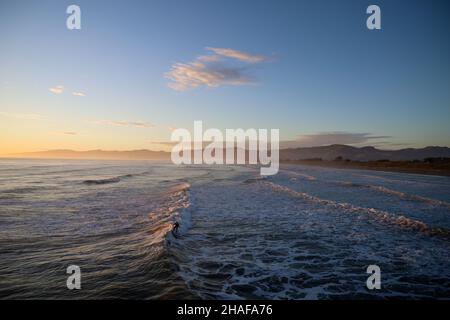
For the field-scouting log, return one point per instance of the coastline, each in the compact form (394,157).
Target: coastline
(414,167)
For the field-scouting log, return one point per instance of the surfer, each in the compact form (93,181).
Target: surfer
(175,227)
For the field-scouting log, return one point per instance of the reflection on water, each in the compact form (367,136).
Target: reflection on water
(305,233)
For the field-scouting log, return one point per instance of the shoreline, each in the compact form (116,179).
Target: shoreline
(387,166)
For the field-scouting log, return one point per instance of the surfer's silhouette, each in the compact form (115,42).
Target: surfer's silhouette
(175,227)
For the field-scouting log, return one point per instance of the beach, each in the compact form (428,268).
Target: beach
(415,167)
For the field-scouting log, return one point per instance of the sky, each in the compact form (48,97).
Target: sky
(138,69)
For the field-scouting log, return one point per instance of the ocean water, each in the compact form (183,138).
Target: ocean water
(305,233)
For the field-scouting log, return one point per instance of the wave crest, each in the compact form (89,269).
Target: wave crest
(173,209)
(112,180)
(379,215)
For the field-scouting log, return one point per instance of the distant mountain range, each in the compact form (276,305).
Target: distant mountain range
(325,153)
(362,154)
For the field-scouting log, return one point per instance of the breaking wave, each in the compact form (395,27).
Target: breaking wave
(399,194)
(111,180)
(379,215)
(174,209)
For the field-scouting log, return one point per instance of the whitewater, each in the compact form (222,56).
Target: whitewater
(305,233)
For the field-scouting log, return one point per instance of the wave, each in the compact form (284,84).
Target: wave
(77,170)
(301,175)
(21,190)
(101,181)
(379,215)
(173,209)
(113,179)
(399,194)
(410,181)
(253,180)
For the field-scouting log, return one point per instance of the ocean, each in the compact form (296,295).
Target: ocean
(305,233)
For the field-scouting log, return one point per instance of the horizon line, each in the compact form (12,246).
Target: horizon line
(162,151)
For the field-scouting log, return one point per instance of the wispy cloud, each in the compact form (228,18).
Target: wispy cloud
(66,133)
(328,138)
(222,67)
(26,116)
(391,145)
(239,55)
(60,89)
(57,90)
(123,123)
(163,143)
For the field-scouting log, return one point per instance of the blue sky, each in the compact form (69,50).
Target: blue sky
(322,77)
